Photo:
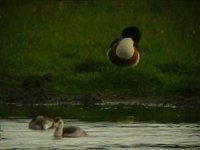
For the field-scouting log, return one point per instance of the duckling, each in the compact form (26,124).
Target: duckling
(41,123)
(67,131)
(124,51)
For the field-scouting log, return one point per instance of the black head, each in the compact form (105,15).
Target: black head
(57,119)
(132,32)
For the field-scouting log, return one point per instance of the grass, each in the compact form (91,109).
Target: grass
(70,39)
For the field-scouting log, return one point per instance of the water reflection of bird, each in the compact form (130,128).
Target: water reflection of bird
(41,123)
(68,131)
(0,134)
(124,51)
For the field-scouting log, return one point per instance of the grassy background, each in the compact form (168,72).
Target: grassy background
(70,39)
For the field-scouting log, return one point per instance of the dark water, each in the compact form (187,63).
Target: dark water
(105,113)
(103,135)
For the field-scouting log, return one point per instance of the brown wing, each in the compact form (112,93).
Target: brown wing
(70,129)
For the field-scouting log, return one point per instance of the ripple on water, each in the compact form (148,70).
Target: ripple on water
(102,135)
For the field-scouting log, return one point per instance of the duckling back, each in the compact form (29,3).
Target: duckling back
(72,131)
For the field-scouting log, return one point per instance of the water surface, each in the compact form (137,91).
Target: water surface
(103,135)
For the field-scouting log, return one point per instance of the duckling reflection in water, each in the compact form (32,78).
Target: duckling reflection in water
(68,131)
(41,123)
(0,133)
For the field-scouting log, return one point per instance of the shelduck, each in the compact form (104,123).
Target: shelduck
(124,50)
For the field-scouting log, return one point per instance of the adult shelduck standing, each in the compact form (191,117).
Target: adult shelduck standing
(124,51)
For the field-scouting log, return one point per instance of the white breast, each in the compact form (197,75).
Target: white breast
(125,48)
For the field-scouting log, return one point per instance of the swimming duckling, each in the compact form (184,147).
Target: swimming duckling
(68,131)
(124,51)
(41,123)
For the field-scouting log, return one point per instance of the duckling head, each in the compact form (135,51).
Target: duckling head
(59,123)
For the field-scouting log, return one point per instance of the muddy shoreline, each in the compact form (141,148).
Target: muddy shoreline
(32,91)
(99,99)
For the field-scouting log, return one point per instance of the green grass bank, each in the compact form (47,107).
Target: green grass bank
(69,40)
